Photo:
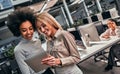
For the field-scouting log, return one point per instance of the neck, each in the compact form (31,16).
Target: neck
(53,33)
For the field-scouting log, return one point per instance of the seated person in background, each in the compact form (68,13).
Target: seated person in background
(61,46)
(113,30)
(21,23)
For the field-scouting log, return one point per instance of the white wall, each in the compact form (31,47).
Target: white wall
(114,13)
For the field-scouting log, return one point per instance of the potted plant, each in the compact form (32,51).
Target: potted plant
(10,52)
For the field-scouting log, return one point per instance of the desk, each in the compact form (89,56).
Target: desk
(97,47)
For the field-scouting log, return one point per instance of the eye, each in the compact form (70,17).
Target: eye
(23,30)
(43,25)
(39,28)
(31,28)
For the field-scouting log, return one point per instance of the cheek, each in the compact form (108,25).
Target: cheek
(37,25)
(47,28)
(38,29)
(109,26)
(32,32)
(112,26)
(49,32)
(23,34)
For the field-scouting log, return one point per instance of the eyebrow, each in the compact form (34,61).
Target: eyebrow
(28,27)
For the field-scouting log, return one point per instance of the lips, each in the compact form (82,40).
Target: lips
(29,36)
(46,32)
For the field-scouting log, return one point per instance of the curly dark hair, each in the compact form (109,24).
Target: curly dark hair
(20,15)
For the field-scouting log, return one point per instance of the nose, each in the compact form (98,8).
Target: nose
(28,31)
(42,30)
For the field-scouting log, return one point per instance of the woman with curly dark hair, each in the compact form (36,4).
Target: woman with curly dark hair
(21,23)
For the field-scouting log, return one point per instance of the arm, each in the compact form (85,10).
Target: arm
(19,56)
(105,35)
(117,31)
(70,45)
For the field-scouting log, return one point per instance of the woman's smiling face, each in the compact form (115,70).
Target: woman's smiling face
(45,28)
(26,30)
(111,25)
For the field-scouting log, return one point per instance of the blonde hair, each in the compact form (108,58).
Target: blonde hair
(45,17)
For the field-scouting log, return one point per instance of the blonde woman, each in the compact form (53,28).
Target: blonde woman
(60,44)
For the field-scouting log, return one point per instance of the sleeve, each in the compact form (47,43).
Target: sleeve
(117,31)
(105,33)
(19,56)
(74,56)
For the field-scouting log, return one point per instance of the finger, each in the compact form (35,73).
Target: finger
(48,55)
(48,58)
(51,63)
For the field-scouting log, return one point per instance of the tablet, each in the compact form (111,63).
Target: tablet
(35,61)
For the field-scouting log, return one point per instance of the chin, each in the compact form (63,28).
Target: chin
(29,38)
(48,34)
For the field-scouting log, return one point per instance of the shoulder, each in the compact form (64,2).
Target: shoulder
(108,30)
(18,48)
(64,33)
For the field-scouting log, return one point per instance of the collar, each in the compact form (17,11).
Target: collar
(57,33)
(55,36)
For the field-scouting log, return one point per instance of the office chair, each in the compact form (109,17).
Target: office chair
(100,28)
(116,51)
(75,33)
(77,36)
(5,69)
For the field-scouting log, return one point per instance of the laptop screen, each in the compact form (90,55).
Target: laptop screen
(89,30)
(5,4)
